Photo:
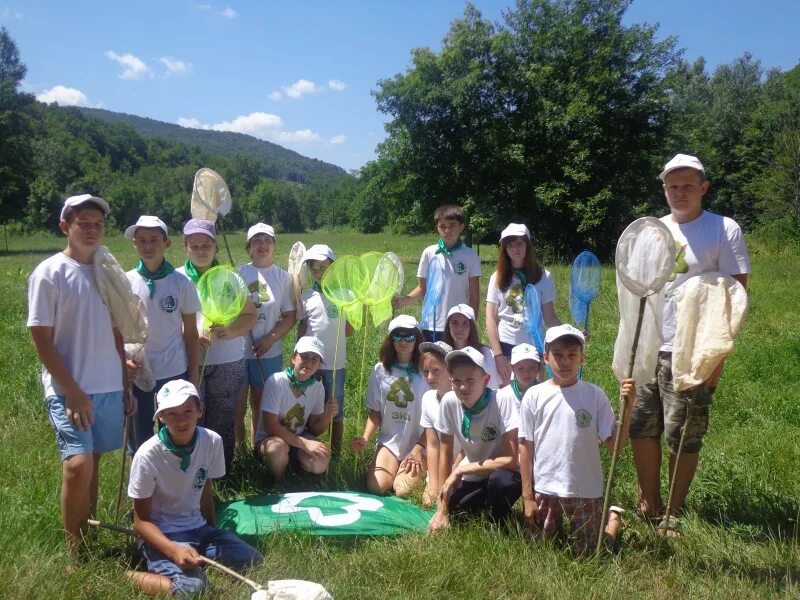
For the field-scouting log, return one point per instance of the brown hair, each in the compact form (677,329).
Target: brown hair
(473,340)
(449,211)
(72,211)
(388,354)
(531,266)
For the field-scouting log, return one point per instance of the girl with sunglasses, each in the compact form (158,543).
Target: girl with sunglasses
(394,402)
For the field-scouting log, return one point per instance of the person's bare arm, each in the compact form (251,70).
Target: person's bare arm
(412,297)
(441,520)
(128,399)
(475,296)
(318,423)
(302,327)
(529,506)
(432,455)
(273,427)
(628,393)
(492,331)
(183,556)
(507,460)
(372,425)
(191,339)
(549,315)
(239,326)
(282,327)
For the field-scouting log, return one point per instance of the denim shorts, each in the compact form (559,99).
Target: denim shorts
(105,433)
(327,382)
(254,376)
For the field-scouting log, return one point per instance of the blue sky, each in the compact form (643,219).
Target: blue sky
(300,73)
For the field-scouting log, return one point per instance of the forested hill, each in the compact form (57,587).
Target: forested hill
(278,162)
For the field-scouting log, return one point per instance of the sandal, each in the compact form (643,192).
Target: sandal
(652,519)
(670,527)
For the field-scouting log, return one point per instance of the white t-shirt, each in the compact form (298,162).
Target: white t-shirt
(399,400)
(430,409)
(324,324)
(174,297)
(219,352)
(63,294)
(271,290)
(566,426)
(491,367)
(459,267)
(175,494)
(486,429)
(293,413)
(511,304)
(709,243)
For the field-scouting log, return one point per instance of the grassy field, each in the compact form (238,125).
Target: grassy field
(741,533)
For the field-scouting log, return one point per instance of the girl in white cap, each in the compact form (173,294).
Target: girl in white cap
(461,331)
(320,318)
(517,266)
(272,293)
(394,401)
(294,412)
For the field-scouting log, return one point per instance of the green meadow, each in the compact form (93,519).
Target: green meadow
(741,530)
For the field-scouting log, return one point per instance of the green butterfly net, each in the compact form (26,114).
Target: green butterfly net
(222,293)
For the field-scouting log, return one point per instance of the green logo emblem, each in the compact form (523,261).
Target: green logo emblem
(259,292)
(169,303)
(331,311)
(400,393)
(516,299)
(583,418)
(200,478)
(680,261)
(295,418)
(459,268)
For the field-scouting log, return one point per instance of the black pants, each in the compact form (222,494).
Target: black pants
(494,495)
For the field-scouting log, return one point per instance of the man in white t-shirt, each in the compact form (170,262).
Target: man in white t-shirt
(83,372)
(173,500)
(706,242)
(486,430)
(172,349)
(561,422)
(460,270)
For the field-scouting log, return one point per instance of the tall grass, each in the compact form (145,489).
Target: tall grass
(741,533)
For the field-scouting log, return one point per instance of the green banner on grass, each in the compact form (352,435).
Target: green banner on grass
(323,513)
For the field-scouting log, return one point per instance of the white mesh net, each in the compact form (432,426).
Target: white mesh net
(210,195)
(128,311)
(710,309)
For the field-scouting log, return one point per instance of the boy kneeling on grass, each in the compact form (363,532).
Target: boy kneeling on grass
(173,505)
(560,422)
(485,428)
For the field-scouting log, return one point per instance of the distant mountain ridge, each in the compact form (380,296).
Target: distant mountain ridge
(280,163)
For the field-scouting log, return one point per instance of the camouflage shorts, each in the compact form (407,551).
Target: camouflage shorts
(660,409)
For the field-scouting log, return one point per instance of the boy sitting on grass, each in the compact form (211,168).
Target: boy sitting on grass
(485,428)
(560,423)
(173,505)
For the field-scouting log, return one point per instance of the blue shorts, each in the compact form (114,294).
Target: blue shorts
(216,544)
(253,375)
(105,433)
(327,382)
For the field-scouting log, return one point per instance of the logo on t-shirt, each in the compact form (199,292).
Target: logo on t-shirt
(583,418)
(516,299)
(489,433)
(200,478)
(400,393)
(459,267)
(169,303)
(680,261)
(295,418)
(332,311)
(259,292)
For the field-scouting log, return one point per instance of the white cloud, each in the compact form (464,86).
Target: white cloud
(229,13)
(275,95)
(175,67)
(133,66)
(295,91)
(262,125)
(339,139)
(336,85)
(63,96)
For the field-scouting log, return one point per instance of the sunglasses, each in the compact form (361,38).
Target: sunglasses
(404,338)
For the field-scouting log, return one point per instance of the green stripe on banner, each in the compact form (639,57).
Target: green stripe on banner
(323,513)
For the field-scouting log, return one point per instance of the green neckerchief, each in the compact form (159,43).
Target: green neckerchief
(151,278)
(316,286)
(407,367)
(520,273)
(300,385)
(192,271)
(445,250)
(515,387)
(466,421)
(185,451)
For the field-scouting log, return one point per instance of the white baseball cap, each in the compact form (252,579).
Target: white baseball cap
(148,221)
(174,393)
(309,343)
(462,309)
(471,353)
(440,348)
(73,201)
(403,322)
(522,352)
(260,228)
(563,330)
(515,230)
(319,252)
(679,162)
